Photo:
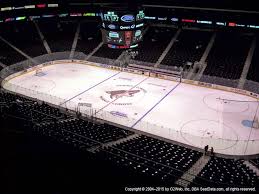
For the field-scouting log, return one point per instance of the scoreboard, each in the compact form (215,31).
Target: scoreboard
(122,39)
(121,28)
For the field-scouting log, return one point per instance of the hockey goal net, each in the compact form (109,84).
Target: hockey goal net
(39,72)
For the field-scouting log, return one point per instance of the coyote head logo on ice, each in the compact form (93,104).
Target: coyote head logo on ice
(121,93)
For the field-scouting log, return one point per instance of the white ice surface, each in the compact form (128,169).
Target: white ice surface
(185,113)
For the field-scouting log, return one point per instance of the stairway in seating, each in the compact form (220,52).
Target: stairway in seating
(45,43)
(72,52)
(169,46)
(2,65)
(198,75)
(33,61)
(94,51)
(108,144)
(209,46)
(251,166)
(247,64)
(188,176)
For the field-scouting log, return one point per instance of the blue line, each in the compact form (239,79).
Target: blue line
(154,106)
(89,89)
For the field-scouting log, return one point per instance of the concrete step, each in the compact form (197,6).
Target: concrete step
(251,166)
(190,175)
(112,143)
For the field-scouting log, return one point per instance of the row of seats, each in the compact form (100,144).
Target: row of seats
(20,107)
(136,155)
(226,58)
(251,86)
(8,55)
(58,34)
(142,156)
(84,135)
(228,54)
(219,81)
(12,98)
(106,52)
(25,37)
(96,132)
(226,172)
(144,170)
(153,158)
(188,47)
(48,110)
(89,37)
(26,105)
(154,43)
(22,35)
(254,67)
(56,131)
(255,162)
(50,121)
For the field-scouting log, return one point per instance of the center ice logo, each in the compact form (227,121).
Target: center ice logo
(122,93)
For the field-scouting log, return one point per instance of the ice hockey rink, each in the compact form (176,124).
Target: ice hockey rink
(189,114)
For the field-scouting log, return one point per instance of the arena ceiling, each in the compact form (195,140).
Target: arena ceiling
(218,4)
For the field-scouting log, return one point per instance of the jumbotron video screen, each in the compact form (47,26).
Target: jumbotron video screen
(122,29)
(122,39)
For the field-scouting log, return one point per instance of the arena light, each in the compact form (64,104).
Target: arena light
(188,20)
(29,6)
(41,5)
(63,15)
(88,14)
(48,16)
(17,8)
(150,18)
(241,25)
(52,5)
(232,24)
(221,23)
(75,14)
(6,8)
(252,26)
(204,22)
(9,19)
(162,18)
(34,17)
(20,18)
(174,19)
